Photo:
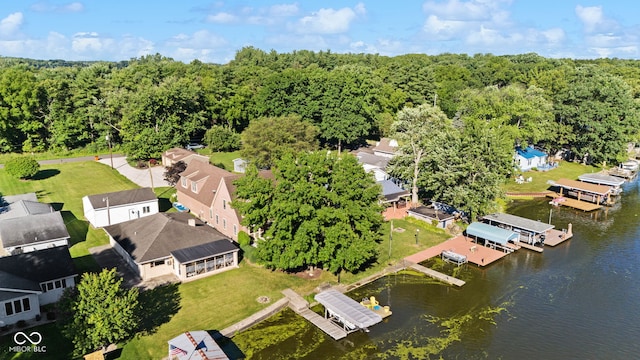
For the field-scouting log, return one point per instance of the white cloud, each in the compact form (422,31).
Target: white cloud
(45,6)
(201,45)
(443,29)
(473,10)
(10,25)
(222,18)
(284,10)
(594,20)
(328,21)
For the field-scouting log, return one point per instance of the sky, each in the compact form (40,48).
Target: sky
(213,31)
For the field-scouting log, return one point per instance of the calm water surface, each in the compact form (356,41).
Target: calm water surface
(579,300)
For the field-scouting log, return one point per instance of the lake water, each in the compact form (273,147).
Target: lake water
(579,300)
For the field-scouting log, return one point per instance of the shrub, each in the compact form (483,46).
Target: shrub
(22,167)
(220,138)
(244,239)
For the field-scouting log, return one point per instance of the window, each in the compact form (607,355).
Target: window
(212,263)
(224,204)
(194,186)
(216,219)
(156,263)
(17,306)
(235,229)
(210,213)
(224,223)
(184,182)
(146,209)
(50,285)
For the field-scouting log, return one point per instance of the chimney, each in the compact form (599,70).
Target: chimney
(192,222)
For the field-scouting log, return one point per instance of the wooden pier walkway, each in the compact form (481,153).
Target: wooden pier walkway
(555,237)
(576,204)
(301,306)
(436,275)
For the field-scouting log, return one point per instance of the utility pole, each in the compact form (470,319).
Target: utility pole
(106,199)
(110,152)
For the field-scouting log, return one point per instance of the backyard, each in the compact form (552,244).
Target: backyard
(539,179)
(211,303)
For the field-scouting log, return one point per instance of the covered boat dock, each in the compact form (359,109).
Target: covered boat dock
(582,191)
(531,232)
(493,236)
(345,311)
(603,179)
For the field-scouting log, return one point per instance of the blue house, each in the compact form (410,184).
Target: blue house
(529,158)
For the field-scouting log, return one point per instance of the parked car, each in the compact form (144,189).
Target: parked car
(193,146)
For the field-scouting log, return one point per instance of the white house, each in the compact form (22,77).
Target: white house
(374,164)
(116,207)
(32,232)
(30,280)
(529,158)
(174,243)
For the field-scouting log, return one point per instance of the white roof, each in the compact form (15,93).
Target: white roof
(348,309)
(182,348)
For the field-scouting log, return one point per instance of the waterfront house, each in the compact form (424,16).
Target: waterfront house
(116,207)
(433,214)
(529,158)
(172,243)
(32,279)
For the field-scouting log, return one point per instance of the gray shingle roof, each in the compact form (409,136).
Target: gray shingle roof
(22,205)
(26,271)
(156,236)
(124,197)
(32,229)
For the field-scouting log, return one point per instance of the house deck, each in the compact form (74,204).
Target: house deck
(475,253)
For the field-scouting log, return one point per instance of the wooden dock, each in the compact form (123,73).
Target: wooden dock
(530,247)
(475,253)
(436,275)
(573,203)
(555,237)
(301,306)
(323,324)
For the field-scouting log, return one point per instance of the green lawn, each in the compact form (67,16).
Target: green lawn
(64,185)
(211,303)
(566,169)
(221,159)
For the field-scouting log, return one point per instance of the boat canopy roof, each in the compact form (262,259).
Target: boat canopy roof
(347,308)
(598,178)
(534,226)
(491,233)
(583,186)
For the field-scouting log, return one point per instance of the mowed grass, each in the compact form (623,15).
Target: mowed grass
(539,179)
(63,186)
(216,302)
(212,303)
(221,159)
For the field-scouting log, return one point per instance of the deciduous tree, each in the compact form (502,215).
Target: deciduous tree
(267,139)
(322,211)
(103,311)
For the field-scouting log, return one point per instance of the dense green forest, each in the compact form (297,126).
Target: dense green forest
(151,103)
(458,117)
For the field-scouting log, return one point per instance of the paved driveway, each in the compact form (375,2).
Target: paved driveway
(142,177)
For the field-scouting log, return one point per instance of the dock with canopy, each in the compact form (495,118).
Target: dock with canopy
(493,236)
(347,312)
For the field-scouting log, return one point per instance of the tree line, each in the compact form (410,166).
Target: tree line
(148,104)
